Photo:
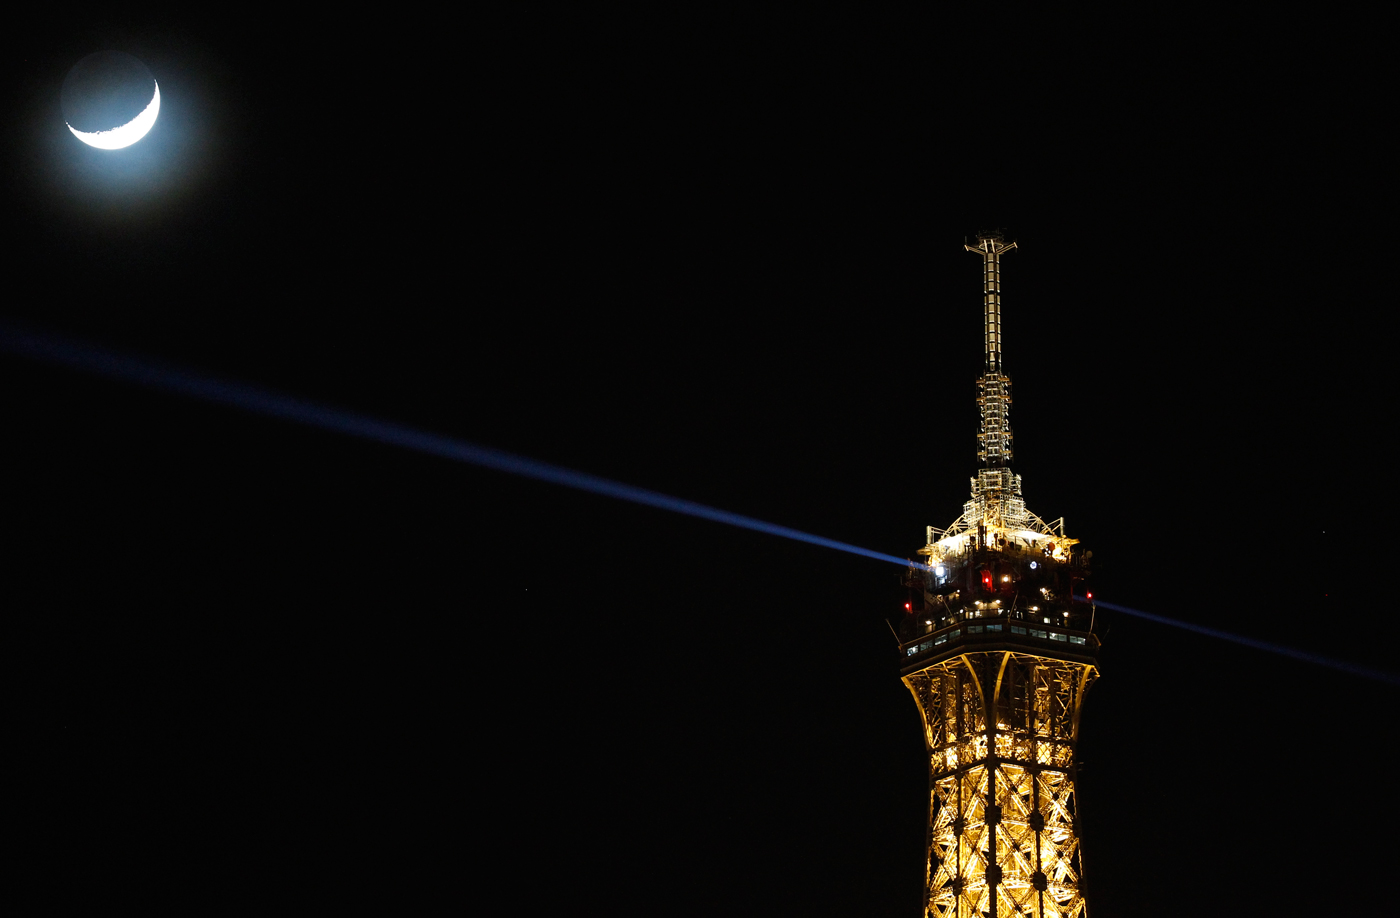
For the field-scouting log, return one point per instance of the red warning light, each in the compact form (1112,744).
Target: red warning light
(986,580)
(908,608)
(1091,595)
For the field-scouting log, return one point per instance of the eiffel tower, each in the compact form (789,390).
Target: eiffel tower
(997,648)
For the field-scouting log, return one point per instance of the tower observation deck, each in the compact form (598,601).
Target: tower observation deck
(997,648)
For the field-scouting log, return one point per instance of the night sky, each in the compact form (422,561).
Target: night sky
(256,665)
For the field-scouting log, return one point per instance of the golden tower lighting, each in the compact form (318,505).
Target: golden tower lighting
(997,649)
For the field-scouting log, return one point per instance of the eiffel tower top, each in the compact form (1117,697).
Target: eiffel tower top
(996,508)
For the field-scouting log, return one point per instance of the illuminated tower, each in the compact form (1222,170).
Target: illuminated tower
(998,654)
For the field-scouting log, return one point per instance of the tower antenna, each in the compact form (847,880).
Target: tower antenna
(994,388)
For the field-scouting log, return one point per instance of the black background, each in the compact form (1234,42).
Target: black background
(720,258)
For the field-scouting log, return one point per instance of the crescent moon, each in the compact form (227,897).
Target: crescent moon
(125,135)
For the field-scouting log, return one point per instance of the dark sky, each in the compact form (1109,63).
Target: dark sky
(722,260)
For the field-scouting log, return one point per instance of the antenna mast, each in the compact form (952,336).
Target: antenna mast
(996,491)
(994,388)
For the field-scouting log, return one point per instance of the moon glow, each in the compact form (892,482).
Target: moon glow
(110,100)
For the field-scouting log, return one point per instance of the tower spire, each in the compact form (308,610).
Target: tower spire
(996,491)
(994,388)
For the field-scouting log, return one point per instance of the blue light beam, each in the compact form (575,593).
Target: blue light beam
(1355,669)
(102,362)
(112,365)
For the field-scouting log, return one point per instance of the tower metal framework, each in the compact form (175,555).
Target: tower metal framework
(997,648)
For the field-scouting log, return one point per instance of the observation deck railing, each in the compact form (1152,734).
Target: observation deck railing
(1029,633)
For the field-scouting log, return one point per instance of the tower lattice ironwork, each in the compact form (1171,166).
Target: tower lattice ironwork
(997,648)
